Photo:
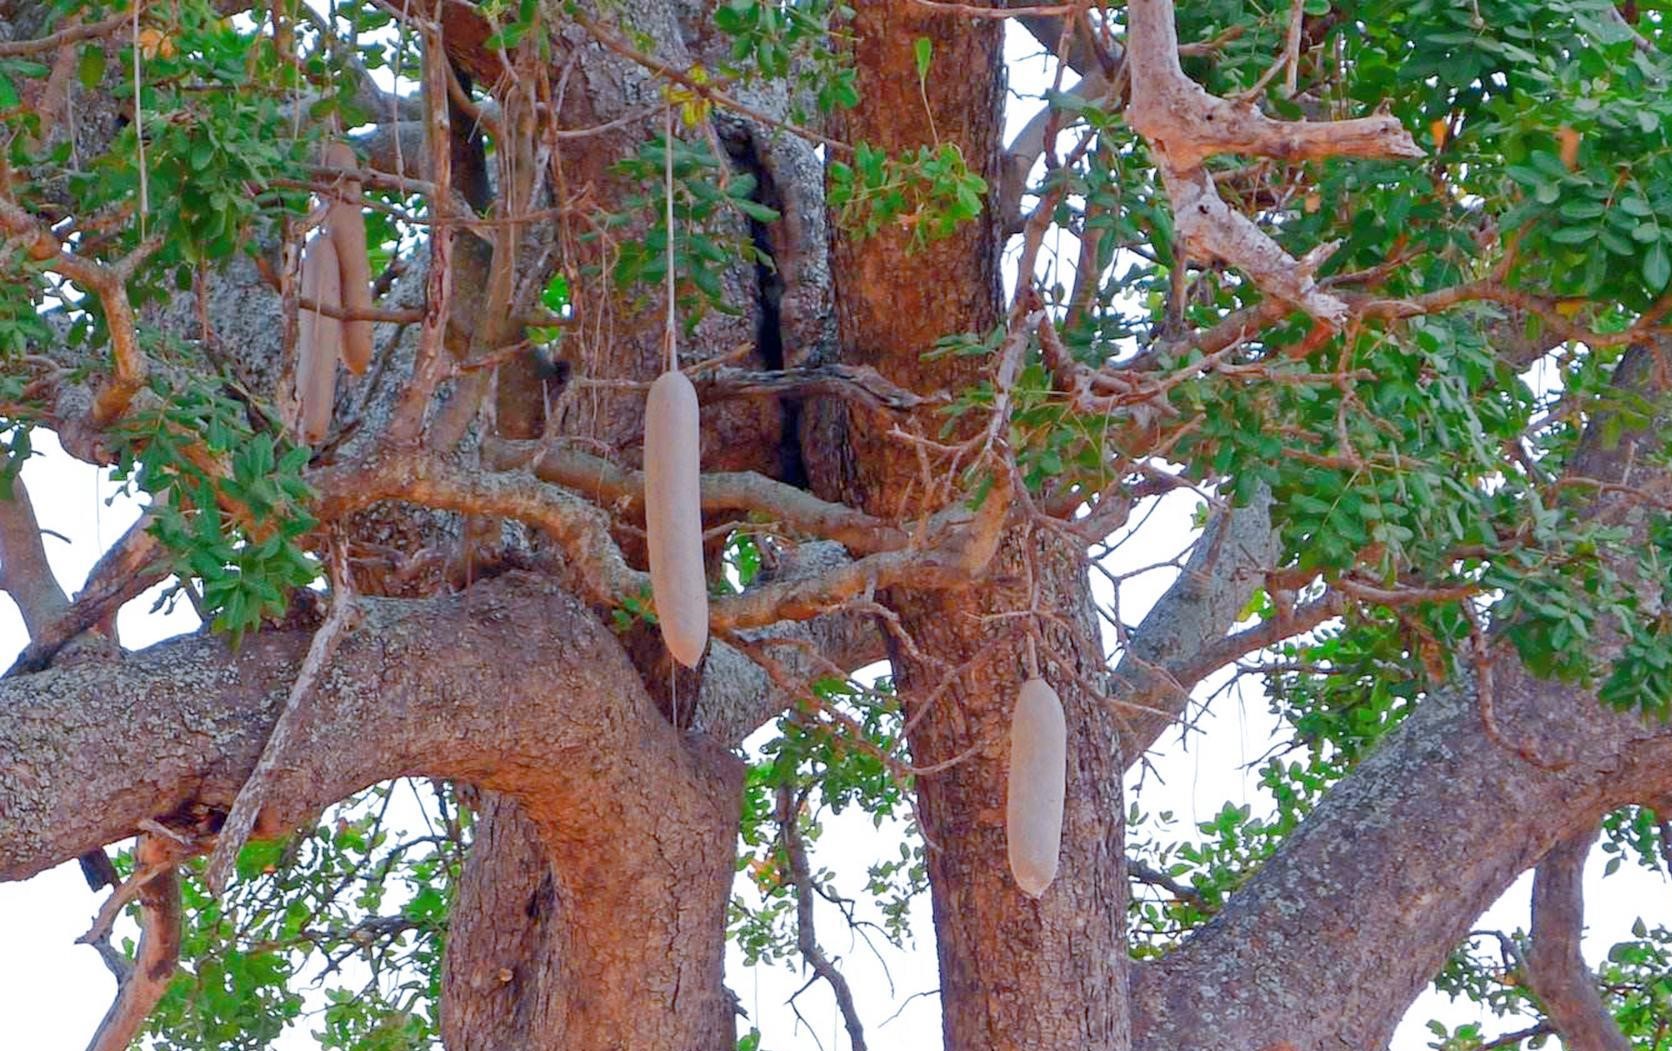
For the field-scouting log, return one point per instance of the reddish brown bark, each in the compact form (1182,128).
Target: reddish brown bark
(1015,973)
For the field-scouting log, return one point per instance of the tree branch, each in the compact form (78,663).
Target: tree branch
(955,549)
(143,983)
(1185,125)
(806,938)
(1168,652)
(109,283)
(623,489)
(1555,966)
(1361,905)
(183,723)
(133,564)
(24,572)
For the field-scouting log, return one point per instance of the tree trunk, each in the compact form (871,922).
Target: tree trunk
(1015,973)
(571,949)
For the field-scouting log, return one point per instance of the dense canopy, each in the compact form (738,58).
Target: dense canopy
(365,301)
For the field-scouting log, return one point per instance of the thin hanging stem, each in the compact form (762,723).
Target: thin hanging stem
(667,155)
(139,130)
(1032,657)
(669,338)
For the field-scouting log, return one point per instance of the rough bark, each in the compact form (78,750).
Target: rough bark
(1360,906)
(1015,973)
(509,686)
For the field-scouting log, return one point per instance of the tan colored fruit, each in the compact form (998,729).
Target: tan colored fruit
(318,341)
(673,516)
(1034,793)
(346,223)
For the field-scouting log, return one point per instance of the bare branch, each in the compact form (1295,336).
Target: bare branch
(806,938)
(24,572)
(1146,873)
(408,420)
(1185,125)
(1555,966)
(730,491)
(957,546)
(133,563)
(1182,638)
(72,34)
(157,886)
(242,817)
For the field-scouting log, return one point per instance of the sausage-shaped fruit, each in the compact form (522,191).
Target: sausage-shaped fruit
(1038,772)
(347,225)
(318,341)
(673,516)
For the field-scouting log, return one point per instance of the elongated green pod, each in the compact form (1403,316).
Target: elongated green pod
(673,516)
(1034,794)
(346,223)
(318,341)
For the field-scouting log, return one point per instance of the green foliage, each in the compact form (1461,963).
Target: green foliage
(928,192)
(230,505)
(356,904)
(708,236)
(794,41)
(634,609)
(836,762)
(742,559)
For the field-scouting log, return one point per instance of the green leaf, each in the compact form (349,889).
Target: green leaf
(1657,266)
(923,47)
(90,67)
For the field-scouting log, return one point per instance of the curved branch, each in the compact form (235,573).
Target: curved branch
(956,550)
(1362,904)
(725,491)
(109,283)
(486,686)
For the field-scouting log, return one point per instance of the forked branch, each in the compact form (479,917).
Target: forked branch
(1185,125)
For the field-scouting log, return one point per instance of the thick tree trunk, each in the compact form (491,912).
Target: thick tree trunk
(1015,973)
(584,953)
(560,948)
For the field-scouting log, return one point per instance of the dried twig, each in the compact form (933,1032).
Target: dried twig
(806,938)
(156,885)
(252,796)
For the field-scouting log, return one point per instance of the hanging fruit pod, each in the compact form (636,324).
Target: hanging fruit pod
(318,340)
(1034,794)
(673,515)
(346,224)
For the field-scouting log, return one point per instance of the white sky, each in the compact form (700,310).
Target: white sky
(53,992)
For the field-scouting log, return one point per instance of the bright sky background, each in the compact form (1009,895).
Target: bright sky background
(53,992)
